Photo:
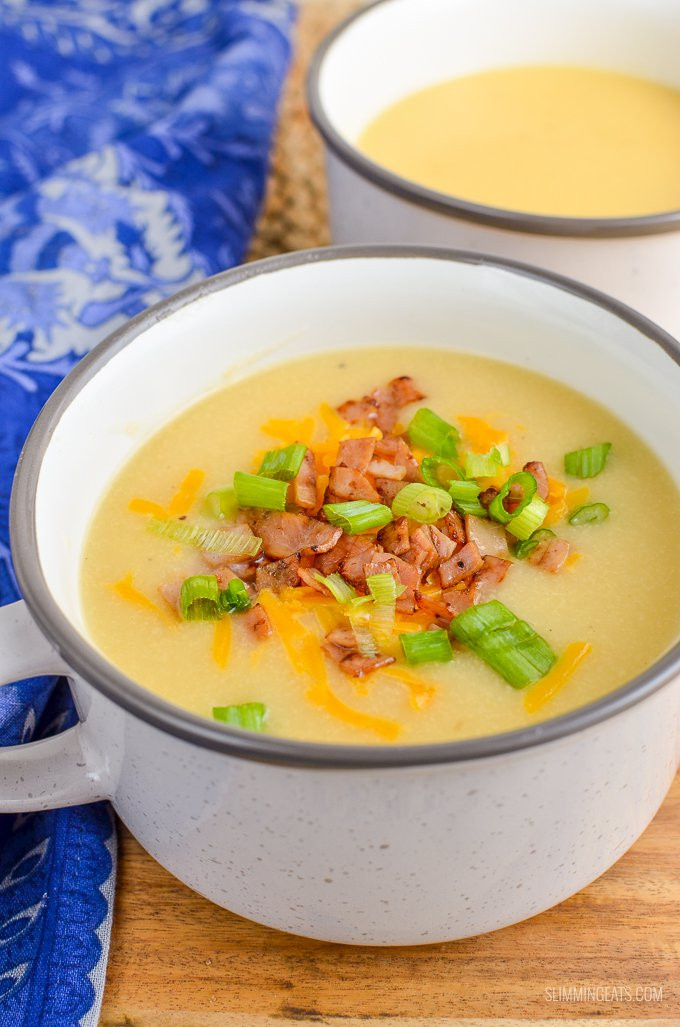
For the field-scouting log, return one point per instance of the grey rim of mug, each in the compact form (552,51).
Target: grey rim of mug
(419,195)
(116,686)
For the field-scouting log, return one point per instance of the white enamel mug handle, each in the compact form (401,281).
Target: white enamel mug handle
(52,772)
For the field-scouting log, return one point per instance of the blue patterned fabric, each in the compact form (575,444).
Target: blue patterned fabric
(133,148)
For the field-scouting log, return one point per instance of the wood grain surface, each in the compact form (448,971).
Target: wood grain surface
(610,954)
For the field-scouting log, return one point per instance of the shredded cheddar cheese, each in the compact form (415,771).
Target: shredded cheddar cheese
(577,497)
(289,431)
(547,688)
(146,506)
(480,434)
(125,589)
(187,494)
(421,692)
(221,646)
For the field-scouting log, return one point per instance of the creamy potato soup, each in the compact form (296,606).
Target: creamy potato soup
(326,551)
(566,141)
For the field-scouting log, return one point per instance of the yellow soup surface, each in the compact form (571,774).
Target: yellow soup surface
(618,591)
(552,140)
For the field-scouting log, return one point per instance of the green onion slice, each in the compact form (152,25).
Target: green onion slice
(357,515)
(524,524)
(526,548)
(592,513)
(248,715)
(210,540)
(423,503)
(465,498)
(439,473)
(587,463)
(221,503)
(359,619)
(283,464)
(264,493)
(199,598)
(428,430)
(485,465)
(527,483)
(234,598)
(384,588)
(507,644)
(426,646)
(340,589)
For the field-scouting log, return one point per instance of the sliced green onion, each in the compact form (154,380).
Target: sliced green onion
(340,589)
(359,619)
(423,503)
(381,619)
(357,515)
(591,513)
(384,588)
(524,524)
(510,646)
(465,498)
(283,464)
(210,540)
(428,430)
(426,646)
(234,598)
(485,465)
(221,503)
(248,715)
(527,483)
(526,548)
(587,463)
(199,598)
(439,473)
(264,493)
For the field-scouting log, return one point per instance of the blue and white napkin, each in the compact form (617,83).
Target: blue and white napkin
(134,138)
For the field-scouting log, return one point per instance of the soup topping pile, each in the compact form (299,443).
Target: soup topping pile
(398,539)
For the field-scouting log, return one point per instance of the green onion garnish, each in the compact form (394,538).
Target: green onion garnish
(423,503)
(587,463)
(248,715)
(464,495)
(528,485)
(439,473)
(526,548)
(340,589)
(359,619)
(428,430)
(283,464)
(357,515)
(426,646)
(485,465)
(510,646)
(221,503)
(524,524)
(210,540)
(199,598)
(384,588)
(592,513)
(234,598)
(265,493)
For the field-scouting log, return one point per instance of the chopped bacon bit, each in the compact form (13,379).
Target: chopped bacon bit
(387,489)
(436,608)
(402,572)
(550,555)
(489,537)
(406,602)
(353,663)
(304,485)
(283,534)
(490,575)
(537,469)
(278,575)
(170,591)
(452,525)
(382,406)
(463,564)
(346,484)
(258,622)
(459,599)
(384,469)
(487,497)
(361,551)
(395,450)
(394,537)
(307,575)
(356,453)
(329,562)
(429,547)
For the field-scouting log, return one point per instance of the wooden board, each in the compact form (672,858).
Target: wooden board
(178,961)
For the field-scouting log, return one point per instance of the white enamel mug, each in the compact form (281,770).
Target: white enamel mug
(369,845)
(395,47)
